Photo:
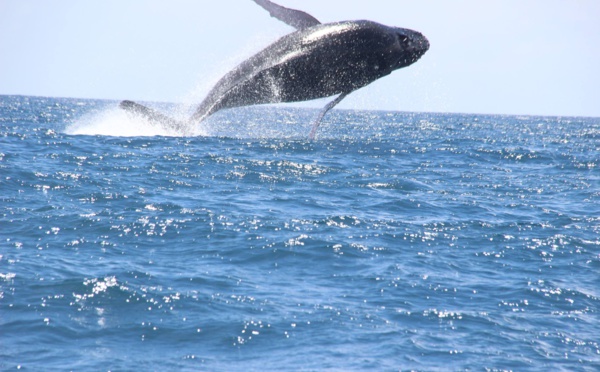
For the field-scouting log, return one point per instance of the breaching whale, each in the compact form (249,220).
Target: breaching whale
(316,61)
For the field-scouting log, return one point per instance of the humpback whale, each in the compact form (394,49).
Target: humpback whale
(316,61)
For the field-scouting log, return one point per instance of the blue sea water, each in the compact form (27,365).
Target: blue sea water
(393,241)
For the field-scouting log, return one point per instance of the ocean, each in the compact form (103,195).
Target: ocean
(394,241)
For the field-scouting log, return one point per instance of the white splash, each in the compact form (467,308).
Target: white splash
(119,123)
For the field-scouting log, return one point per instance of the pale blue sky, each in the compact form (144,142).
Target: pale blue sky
(538,57)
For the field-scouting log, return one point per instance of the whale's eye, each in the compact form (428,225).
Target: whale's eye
(403,39)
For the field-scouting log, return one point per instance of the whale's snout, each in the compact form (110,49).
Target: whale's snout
(421,42)
(410,46)
(413,41)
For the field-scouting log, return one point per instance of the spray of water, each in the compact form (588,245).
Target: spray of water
(113,121)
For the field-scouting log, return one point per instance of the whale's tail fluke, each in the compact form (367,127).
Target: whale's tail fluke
(156,117)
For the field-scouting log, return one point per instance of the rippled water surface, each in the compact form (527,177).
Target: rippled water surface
(393,241)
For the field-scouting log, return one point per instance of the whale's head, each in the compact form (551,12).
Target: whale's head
(407,46)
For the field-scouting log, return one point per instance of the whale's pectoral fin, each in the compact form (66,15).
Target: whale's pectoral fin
(154,116)
(329,106)
(295,18)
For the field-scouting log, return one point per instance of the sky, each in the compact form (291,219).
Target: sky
(520,57)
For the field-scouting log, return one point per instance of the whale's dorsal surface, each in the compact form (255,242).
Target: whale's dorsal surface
(315,61)
(295,18)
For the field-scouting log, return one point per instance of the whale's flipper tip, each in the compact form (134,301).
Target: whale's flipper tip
(154,116)
(141,110)
(295,18)
(128,105)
